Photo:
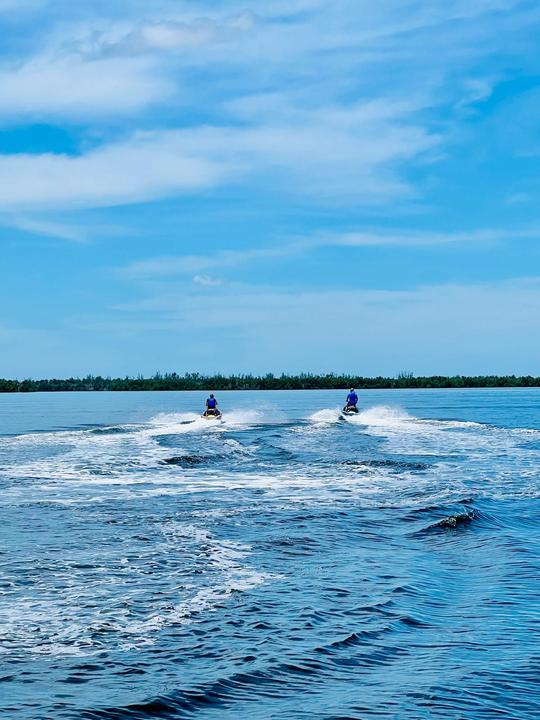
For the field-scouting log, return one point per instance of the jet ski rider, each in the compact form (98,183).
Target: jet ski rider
(211,406)
(352,401)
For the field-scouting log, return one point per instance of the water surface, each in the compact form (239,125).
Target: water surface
(284,563)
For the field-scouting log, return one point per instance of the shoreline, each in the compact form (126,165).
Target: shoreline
(221,383)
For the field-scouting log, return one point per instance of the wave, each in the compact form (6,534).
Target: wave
(450,522)
(293,676)
(188,460)
(392,465)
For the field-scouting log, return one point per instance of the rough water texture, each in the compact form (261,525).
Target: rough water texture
(284,563)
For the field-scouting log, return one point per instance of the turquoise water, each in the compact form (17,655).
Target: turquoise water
(286,562)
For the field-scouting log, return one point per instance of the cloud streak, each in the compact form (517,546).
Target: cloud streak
(169,36)
(47,228)
(340,156)
(173,266)
(145,167)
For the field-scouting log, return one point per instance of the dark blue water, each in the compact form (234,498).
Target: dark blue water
(286,563)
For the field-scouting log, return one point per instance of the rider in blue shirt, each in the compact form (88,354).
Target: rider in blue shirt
(352,400)
(211,406)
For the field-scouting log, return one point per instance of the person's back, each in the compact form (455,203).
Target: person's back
(211,403)
(352,398)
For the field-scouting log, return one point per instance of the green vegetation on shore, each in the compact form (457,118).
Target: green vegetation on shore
(194,381)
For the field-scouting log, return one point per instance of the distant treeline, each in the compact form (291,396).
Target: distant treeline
(194,381)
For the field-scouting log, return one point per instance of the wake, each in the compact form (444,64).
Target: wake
(378,415)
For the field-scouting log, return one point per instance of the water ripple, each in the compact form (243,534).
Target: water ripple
(275,565)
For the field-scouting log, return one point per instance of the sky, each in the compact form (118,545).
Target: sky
(309,185)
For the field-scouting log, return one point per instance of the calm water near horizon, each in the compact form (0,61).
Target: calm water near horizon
(285,563)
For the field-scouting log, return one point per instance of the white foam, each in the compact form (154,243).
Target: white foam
(85,616)
(381,416)
(72,467)
(325,416)
(178,423)
(244,417)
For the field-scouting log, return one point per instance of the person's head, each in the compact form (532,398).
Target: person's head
(211,395)
(352,389)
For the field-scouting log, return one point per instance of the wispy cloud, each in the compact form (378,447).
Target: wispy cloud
(327,160)
(48,228)
(168,36)
(171,266)
(160,267)
(145,167)
(409,238)
(61,227)
(207,280)
(72,88)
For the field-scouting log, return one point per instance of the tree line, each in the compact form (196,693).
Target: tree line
(304,381)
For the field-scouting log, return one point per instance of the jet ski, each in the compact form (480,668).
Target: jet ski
(350,410)
(212,414)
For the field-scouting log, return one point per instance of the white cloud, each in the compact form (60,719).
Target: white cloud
(341,152)
(207,280)
(145,167)
(169,35)
(338,157)
(301,97)
(411,238)
(72,88)
(98,62)
(475,90)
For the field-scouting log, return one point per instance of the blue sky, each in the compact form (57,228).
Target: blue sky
(319,185)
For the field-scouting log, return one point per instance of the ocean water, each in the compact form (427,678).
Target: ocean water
(285,563)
